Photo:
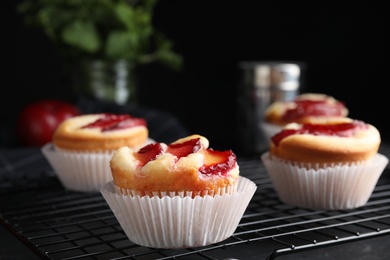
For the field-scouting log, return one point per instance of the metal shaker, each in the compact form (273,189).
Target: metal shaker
(260,84)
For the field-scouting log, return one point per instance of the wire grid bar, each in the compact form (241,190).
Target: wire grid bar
(61,224)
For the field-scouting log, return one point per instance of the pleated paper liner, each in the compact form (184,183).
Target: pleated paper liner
(230,189)
(330,187)
(80,171)
(179,221)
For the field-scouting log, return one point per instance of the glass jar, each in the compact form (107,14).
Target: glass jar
(111,81)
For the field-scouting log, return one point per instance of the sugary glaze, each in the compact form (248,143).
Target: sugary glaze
(341,140)
(100,132)
(305,108)
(184,165)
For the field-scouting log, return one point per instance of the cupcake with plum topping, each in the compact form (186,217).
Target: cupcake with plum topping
(83,145)
(182,194)
(331,164)
(305,108)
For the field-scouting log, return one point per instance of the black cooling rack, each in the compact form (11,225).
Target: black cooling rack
(59,224)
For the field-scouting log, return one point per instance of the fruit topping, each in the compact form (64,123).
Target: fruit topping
(218,162)
(148,153)
(186,148)
(215,162)
(110,122)
(341,130)
(127,123)
(314,108)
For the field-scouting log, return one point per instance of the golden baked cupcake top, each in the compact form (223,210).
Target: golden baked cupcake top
(337,140)
(307,107)
(100,132)
(187,164)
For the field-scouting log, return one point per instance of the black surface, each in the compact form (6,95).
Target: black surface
(12,248)
(59,224)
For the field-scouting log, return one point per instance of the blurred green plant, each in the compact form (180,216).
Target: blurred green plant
(102,30)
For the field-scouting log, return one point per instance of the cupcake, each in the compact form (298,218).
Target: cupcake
(179,195)
(305,108)
(83,145)
(332,165)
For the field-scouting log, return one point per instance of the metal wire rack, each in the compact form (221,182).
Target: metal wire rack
(59,224)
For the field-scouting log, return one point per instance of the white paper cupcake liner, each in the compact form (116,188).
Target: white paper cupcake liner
(270,130)
(80,171)
(230,189)
(179,222)
(334,187)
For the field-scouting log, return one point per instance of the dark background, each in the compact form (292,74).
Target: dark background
(345,48)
